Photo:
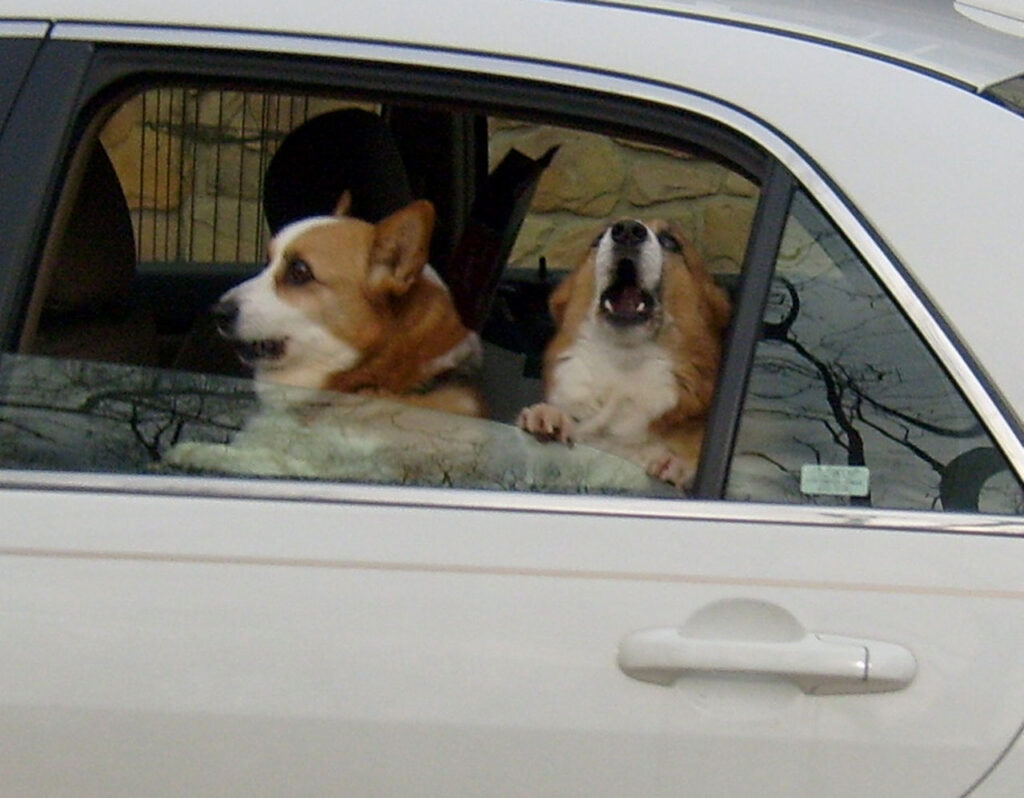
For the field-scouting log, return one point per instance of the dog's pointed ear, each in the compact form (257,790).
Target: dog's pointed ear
(401,247)
(344,204)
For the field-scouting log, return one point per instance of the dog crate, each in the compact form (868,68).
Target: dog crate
(192,166)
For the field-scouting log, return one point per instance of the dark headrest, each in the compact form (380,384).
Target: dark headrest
(348,149)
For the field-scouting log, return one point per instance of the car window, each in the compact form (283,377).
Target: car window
(173,200)
(1009,93)
(846,405)
(174,197)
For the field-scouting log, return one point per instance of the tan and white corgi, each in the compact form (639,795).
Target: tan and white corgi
(633,363)
(345,305)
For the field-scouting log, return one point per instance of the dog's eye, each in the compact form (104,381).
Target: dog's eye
(669,242)
(298,272)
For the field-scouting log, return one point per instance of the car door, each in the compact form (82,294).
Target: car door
(832,633)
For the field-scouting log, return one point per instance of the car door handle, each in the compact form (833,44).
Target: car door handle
(819,664)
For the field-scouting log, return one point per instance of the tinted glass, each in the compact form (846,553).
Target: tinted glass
(846,405)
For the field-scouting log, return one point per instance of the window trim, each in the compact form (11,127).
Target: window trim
(120,68)
(35,150)
(741,344)
(17,51)
(130,487)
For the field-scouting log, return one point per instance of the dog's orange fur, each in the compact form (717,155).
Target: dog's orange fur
(372,292)
(694,312)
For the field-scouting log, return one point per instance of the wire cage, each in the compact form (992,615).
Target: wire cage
(192,165)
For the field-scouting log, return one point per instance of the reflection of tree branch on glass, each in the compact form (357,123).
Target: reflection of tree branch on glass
(834,388)
(876,396)
(130,416)
(152,411)
(82,416)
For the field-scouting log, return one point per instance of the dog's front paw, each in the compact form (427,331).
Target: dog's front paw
(672,468)
(546,423)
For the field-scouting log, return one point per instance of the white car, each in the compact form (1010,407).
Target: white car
(200,597)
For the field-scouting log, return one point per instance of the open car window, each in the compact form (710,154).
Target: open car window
(172,201)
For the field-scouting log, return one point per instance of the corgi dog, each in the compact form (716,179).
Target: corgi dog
(346,305)
(632,365)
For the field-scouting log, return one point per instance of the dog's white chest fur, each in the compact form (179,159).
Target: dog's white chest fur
(613,392)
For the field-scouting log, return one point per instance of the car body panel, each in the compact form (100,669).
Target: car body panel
(928,34)
(239,638)
(1006,775)
(210,636)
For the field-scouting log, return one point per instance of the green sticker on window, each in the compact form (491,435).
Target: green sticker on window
(832,480)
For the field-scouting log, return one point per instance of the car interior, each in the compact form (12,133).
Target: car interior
(101,297)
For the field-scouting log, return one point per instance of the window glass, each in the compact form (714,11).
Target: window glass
(122,366)
(1010,93)
(846,405)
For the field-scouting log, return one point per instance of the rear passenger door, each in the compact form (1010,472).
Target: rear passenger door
(173,633)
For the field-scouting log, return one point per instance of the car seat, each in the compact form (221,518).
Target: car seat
(91,308)
(350,149)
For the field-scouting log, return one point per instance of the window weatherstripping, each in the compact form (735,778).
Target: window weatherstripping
(277,490)
(756,274)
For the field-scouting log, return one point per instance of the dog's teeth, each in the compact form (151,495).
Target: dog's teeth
(608,306)
(641,307)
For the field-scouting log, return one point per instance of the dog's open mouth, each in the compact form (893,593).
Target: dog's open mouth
(624,302)
(254,351)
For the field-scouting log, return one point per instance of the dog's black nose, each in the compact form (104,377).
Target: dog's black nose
(224,314)
(628,232)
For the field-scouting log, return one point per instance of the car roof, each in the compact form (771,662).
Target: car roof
(942,36)
(931,35)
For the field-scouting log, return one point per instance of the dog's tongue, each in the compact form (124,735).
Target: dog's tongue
(627,301)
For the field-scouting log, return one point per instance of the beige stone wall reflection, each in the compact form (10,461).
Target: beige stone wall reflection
(594,179)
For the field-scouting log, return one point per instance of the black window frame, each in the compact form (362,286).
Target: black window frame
(72,80)
(16,56)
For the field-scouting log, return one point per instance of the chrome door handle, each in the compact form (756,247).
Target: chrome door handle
(818,664)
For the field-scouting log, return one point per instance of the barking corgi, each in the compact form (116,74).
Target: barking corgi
(632,365)
(349,306)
